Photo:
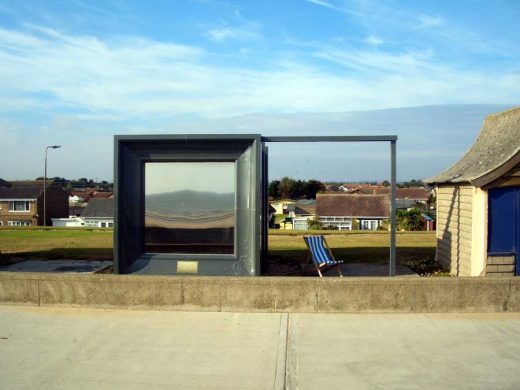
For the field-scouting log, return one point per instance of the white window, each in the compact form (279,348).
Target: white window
(342,223)
(102,224)
(369,224)
(1,223)
(19,205)
(18,223)
(110,224)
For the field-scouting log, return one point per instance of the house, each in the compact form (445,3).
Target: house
(68,222)
(102,194)
(297,213)
(21,203)
(79,196)
(99,213)
(282,206)
(303,211)
(353,211)
(478,203)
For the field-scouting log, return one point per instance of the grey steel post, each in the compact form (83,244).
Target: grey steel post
(393,194)
(45,184)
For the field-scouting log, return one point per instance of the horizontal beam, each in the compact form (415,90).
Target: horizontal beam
(340,138)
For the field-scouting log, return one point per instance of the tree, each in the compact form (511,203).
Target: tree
(312,188)
(274,189)
(414,219)
(409,220)
(286,187)
(314,224)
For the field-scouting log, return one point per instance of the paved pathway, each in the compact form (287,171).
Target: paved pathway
(71,348)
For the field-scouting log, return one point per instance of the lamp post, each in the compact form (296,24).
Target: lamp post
(45,184)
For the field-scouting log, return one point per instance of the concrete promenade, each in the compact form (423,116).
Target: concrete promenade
(85,348)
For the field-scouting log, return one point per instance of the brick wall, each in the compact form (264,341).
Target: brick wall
(26,216)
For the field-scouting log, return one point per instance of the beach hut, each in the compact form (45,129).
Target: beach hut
(478,203)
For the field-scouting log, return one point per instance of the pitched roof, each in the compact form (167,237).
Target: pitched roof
(101,194)
(495,151)
(4,183)
(99,208)
(353,205)
(305,209)
(24,189)
(415,193)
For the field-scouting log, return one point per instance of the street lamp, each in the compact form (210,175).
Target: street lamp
(45,184)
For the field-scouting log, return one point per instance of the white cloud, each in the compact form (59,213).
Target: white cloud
(374,40)
(427,21)
(135,78)
(222,34)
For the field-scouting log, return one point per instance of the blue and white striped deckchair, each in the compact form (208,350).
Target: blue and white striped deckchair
(321,255)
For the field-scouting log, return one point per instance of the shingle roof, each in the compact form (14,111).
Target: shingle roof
(307,209)
(494,152)
(99,208)
(353,205)
(416,193)
(4,183)
(23,189)
(101,194)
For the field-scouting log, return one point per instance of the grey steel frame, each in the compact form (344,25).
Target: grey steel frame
(131,151)
(370,138)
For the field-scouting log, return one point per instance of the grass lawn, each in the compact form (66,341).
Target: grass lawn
(356,246)
(66,243)
(285,247)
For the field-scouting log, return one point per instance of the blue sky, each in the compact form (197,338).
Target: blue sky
(76,72)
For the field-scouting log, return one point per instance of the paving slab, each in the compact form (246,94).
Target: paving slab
(64,348)
(404,351)
(67,266)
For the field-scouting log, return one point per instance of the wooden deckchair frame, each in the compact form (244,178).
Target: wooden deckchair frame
(323,266)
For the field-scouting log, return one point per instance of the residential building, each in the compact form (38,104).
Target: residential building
(99,213)
(282,206)
(68,222)
(21,203)
(353,211)
(303,211)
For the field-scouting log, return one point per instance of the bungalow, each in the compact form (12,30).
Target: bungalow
(99,213)
(21,203)
(478,203)
(353,211)
(303,211)
(282,206)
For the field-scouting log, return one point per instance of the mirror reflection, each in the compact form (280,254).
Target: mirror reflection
(190,207)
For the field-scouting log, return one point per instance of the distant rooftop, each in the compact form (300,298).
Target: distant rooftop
(352,205)
(99,208)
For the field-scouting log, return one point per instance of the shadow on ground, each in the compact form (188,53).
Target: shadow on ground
(280,262)
(59,254)
(419,259)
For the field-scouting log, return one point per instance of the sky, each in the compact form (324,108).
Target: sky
(193,176)
(76,72)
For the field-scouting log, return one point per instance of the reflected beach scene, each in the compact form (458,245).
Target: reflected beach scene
(190,207)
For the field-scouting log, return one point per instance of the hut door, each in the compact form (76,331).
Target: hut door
(504,224)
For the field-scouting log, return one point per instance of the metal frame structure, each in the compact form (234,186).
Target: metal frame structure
(393,174)
(131,152)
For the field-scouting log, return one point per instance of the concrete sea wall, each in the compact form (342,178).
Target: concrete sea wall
(262,294)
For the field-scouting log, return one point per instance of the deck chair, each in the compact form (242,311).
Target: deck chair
(321,255)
